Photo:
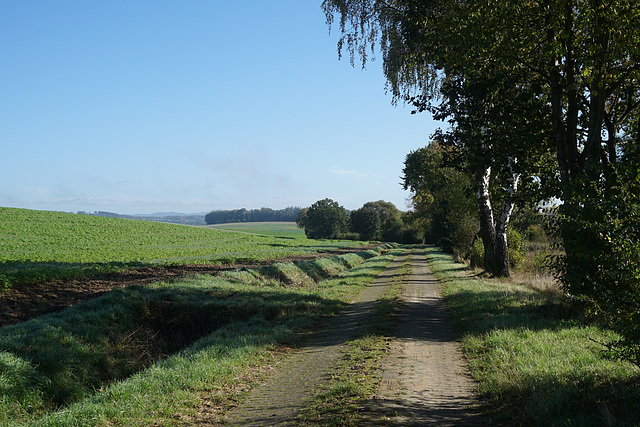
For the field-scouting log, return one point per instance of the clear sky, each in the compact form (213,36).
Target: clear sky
(141,106)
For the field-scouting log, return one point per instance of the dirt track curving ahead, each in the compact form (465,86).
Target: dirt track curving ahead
(425,380)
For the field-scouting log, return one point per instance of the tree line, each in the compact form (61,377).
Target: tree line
(542,102)
(380,220)
(288,214)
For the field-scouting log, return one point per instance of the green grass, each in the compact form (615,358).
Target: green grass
(534,364)
(279,229)
(157,355)
(41,246)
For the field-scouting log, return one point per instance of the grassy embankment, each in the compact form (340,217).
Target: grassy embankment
(44,246)
(535,362)
(170,353)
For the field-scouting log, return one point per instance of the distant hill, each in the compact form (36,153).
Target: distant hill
(170,217)
(168,214)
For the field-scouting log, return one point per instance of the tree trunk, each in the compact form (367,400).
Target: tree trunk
(502,246)
(494,231)
(487,223)
(562,146)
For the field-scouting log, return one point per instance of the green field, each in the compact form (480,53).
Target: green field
(146,355)
(280,229)
(42,245)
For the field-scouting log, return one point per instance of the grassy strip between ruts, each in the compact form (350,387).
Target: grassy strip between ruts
(533,363)
(171,353)
(356,378)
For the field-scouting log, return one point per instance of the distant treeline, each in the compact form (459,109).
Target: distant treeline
(289,214)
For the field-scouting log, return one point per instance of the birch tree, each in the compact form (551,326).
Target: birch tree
(426,54)
(584,55)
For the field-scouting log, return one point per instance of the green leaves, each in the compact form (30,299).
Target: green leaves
(601,268)
(326,219)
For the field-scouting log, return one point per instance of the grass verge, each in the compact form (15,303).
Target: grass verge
(171,353)
(356,377)
(533,363)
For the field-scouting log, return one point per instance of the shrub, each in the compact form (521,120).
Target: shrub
(517,247)
(601,264)
(476,254)
(536,233)
(517,250)
(446,244)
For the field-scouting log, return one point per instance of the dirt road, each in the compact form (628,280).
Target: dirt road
(425,379)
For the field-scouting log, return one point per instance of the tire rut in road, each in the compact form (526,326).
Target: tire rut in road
(282,397)
(426,380)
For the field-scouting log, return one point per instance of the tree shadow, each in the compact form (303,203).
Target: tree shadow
(445,411)
(481,311)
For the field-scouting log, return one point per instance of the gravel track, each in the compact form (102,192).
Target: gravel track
(425,379)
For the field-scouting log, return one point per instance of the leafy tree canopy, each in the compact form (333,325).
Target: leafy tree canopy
(366,222)
(326,219)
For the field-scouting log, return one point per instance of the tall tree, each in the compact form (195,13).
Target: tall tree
(326,219)
(584,57)
(587,57)
(422,59)
(497,134)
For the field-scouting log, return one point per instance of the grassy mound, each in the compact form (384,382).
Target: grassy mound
(144,343)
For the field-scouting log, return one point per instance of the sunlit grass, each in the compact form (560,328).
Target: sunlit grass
(159,354)
(534,363)
(279,229)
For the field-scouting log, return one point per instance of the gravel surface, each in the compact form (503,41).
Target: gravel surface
(425,379)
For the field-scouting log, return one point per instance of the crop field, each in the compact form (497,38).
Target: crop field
(41,245)
(156,345)
(146,355)
(280,229)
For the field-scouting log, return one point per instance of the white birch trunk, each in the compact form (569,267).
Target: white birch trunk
(502,246)
(487,223)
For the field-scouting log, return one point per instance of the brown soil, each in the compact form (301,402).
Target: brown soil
(27,301)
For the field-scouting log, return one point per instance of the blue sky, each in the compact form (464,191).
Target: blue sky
(141,106)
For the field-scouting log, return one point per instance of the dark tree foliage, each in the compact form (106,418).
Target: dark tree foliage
(389,214)
(366,222)
(326,219)
(288,214)
(443,199)
(601,263)
(378,220)
(301,220)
